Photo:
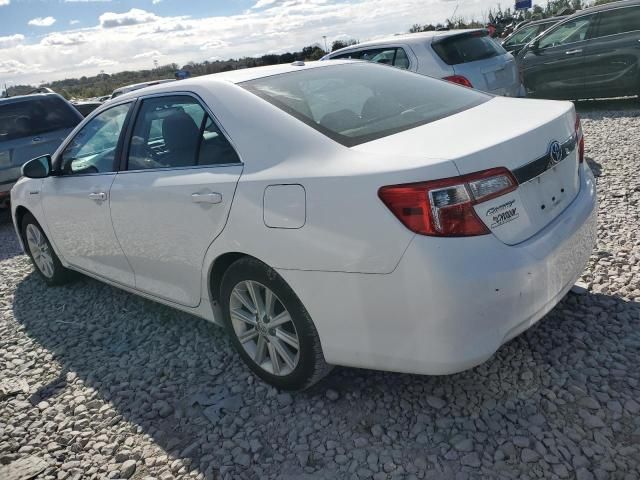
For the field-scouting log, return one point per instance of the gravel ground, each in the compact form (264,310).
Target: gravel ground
(98,383)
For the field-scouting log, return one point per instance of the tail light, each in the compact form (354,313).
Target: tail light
(579,139)
(444,208)
(459,79)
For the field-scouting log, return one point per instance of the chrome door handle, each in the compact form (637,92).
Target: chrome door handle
(36,140)
(573,52)
(98,196)
(206,197)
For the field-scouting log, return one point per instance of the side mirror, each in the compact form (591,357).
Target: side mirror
(535,46)
(39,167)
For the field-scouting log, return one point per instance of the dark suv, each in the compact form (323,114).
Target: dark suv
(31,126)
(594,53)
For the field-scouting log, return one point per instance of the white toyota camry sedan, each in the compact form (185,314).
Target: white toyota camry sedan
(333,213)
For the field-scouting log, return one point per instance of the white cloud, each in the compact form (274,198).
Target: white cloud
(150,54)
(12,67)
(4,2)
(74,22)
(97,62)
(42,21)
(11,40)
(87,1)
(134,16)
(155,2)
(263,3)
(63,39)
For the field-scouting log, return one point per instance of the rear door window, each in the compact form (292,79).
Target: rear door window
(176,131)
(569,32)
(620,20)
(36,116)
(360,102)
(467,47)
(394,56)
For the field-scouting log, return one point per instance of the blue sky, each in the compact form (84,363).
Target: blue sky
(43,40)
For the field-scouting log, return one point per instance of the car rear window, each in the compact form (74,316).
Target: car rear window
(359,102)
(467,47)
(35,116)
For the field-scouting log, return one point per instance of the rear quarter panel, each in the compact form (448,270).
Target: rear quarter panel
(347,227)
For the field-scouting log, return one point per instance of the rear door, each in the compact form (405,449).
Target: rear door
(554,67)
(481,60)
(30,128)
(172,197)
(612,55)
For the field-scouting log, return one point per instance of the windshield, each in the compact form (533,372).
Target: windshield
(35,116)
(360,102)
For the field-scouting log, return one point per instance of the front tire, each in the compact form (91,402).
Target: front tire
(270,327)
(44,259)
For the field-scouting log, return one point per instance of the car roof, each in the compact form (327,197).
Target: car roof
(234,76)
(606,6)
(32,96)
(408,38)
(543,20)
(143,84)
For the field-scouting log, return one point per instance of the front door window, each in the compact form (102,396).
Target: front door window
(93,149)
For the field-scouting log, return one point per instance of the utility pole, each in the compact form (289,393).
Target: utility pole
(325,44)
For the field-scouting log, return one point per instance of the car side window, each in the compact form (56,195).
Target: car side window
(524,35)
(93,149)
(569,32)
(394,56)
(176,131)
(620,20)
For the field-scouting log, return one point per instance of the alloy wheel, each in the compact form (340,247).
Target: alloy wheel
(264,328)
(40,250)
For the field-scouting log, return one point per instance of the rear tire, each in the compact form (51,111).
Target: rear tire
(42,255)
(266,322)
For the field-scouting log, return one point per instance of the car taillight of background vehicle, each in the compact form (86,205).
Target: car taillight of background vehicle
(579,139)
(459,79)
(444,208)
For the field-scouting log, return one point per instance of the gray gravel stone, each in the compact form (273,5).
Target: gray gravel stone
(128,468)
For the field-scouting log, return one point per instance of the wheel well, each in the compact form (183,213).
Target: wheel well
(20,213)
(220,266)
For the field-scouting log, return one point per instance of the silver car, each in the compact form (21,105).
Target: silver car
(467,57)
(31,126)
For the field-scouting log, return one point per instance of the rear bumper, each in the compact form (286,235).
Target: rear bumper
(450,303)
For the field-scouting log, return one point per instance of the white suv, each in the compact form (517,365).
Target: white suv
(467,57)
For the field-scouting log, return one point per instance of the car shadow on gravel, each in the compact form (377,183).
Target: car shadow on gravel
(9,246)
(176,378)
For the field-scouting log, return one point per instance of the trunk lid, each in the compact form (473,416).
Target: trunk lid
(497,75)
(516,134)
(476,56)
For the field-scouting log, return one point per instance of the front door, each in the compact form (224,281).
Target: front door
(612,55)
(174,196)
(554,68)
(76,199)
